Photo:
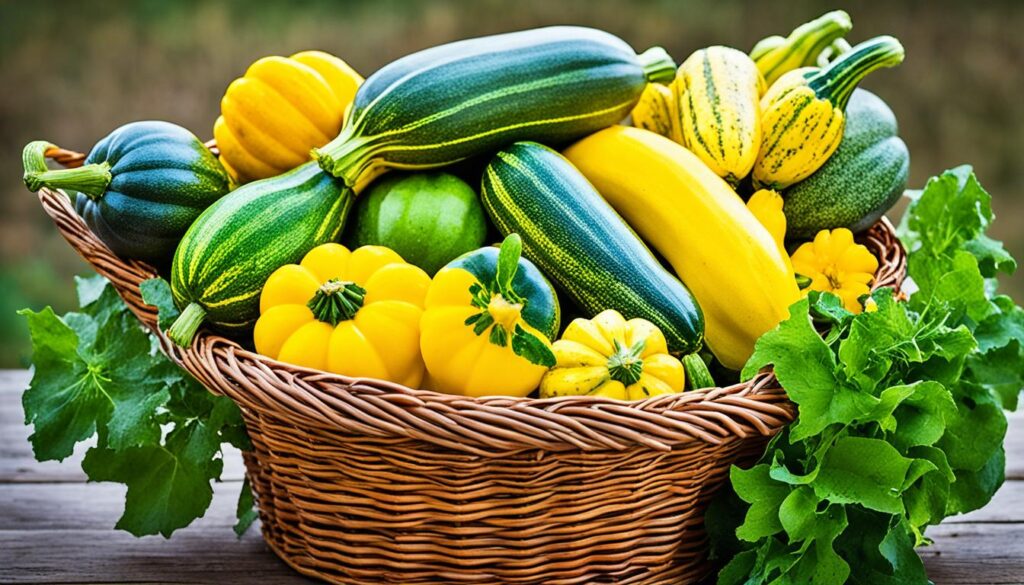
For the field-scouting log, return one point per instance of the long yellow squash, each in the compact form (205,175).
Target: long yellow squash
(717,247)
(718,90)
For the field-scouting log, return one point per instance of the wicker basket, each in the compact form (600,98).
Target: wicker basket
(364,481)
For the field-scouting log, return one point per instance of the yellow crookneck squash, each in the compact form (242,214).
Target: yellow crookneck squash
(611,357)
(803,113)
(282,108)
(717,247)
(355,313)
(489,319)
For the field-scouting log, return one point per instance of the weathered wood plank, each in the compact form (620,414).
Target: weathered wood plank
(975,554)
(1007,506)
(18,465)
(62,533)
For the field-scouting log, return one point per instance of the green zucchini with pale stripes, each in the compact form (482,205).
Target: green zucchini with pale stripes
(444,104)
(227,255)
(583,245)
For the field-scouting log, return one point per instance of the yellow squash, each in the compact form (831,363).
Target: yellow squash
(802,114)
(658,112)
(729,261)
(282,108)
(612,357)
(766,205)
(488,322)
(717,90)
(355,313)
(777,55)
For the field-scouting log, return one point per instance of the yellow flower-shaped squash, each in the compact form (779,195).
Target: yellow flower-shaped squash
(488,320)
(612,357)
(355,313)
(834,263)
(282,108)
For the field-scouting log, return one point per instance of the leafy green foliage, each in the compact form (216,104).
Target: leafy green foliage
(159,432)
(900,411)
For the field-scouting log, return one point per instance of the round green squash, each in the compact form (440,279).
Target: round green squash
(429,218)
(140,189)
(860,181)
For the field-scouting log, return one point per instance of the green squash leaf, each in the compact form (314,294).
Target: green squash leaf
(157,292)
(899,411)
(536,350)
(508,265)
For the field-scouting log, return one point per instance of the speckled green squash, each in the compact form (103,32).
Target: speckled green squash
(586,248)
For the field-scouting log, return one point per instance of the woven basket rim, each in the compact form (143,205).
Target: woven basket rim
(327,402)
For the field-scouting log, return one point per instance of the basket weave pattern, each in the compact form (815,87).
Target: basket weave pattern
(361,481)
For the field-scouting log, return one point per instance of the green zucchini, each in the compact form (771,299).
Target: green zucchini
(229,252)
(140,188)
(471,97)
(864,177)
(578,240)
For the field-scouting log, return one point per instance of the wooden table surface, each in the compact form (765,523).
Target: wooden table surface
(56,528)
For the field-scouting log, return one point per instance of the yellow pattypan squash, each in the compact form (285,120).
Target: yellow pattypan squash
(355,313)
(612,357)
(834,263)
(489,318)
(766,205)
(282,108)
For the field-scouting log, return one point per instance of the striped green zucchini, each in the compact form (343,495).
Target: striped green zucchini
(444,104)
(579,241)
(227,255)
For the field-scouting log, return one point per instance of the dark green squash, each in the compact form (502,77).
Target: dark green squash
(140,188)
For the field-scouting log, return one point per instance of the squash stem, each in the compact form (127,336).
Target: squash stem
(185,326)
(802,47)
(348,158)
(837,81)
(91,179)
(697,373)
(658,65)
(337,300)
(626,365)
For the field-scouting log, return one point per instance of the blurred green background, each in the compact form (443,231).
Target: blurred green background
(72,71)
